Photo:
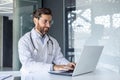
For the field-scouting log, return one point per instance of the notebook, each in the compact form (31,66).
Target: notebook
(86,63)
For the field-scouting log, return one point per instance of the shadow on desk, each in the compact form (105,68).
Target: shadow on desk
(17,78)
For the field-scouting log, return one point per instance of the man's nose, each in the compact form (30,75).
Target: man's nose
(48,24)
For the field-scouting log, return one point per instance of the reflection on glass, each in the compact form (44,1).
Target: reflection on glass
(97,22)
(22,23)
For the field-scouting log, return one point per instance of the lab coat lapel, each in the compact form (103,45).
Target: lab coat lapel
(36,40)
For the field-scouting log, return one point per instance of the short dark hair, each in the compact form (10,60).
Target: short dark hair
(37,13)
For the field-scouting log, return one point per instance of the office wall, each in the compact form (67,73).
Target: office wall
(58,28)
(7,41)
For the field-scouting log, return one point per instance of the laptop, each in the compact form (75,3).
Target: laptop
(86,63)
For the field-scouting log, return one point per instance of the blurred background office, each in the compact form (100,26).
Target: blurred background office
(76,23)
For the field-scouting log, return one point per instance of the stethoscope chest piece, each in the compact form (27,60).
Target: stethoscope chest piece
(35,51)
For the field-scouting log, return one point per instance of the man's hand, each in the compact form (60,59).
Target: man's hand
(72,65)
(69,66)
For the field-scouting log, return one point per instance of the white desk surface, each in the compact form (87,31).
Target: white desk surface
(8,73)
(98,74)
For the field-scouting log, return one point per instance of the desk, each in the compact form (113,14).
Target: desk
(13,73)
(98,74)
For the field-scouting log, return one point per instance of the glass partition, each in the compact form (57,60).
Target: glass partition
(22,23)
(94,22)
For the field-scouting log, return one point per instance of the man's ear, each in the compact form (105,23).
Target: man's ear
(35,20)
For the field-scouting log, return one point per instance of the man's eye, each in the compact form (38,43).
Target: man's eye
(45,21)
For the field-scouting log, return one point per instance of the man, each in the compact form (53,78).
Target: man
(39,51)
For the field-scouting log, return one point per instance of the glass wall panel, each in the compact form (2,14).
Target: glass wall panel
(95,22)
(22,23)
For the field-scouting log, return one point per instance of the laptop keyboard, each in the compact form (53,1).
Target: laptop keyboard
(70,71)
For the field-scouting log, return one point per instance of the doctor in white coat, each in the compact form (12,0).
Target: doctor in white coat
(38,51)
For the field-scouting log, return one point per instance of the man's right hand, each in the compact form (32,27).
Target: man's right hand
(62,67)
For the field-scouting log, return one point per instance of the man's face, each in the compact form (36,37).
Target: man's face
(43,23)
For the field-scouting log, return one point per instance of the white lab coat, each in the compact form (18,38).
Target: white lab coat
(41,59)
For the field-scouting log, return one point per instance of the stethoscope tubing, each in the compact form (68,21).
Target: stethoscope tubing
(35,49)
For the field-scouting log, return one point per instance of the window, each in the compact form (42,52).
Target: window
(94,22)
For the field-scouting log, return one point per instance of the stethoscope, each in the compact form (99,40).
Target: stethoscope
(49,45)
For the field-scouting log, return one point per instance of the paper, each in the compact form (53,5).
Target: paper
(4,77)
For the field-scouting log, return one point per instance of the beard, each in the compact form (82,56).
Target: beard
(44,30)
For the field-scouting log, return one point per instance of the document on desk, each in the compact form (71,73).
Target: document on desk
(4,77)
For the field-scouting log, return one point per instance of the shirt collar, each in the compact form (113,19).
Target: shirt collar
(35,34)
